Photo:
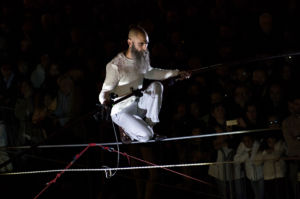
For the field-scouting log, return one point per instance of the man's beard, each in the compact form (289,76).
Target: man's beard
(142,60)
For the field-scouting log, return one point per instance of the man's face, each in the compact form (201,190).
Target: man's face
(139,51)
(140,42)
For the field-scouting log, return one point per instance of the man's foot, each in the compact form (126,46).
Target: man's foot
(124,137)
(158,137)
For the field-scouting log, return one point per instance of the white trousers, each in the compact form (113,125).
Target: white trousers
(131,118)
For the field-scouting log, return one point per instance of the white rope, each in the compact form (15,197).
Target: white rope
(107,169)
(150,141)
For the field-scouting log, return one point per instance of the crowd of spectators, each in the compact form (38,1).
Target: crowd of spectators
(53,56)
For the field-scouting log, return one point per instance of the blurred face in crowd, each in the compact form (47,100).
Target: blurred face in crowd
(45,60)
(265,22)
(275,93)
(241,75)
(54,70)
(219,112)
(286,72)
(271,142)
(22,67)
(65,85)
(6,71)
(25,45)
(241,95)
(248,141)
(26,89)
(259,77)
(216,97)
(251,113)
(295,106)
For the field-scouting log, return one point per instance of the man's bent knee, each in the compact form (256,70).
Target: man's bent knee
(144,136)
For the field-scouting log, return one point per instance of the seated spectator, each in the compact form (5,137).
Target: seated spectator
(3,143)
(51,77)
(242,76)
(241,97)
(195,121)
(217,117)
(274,167)
(287,74)
(275,102)
(291,133)
(39,74)
(216,96)
(259,84)
(246,154)
(8,85)
(274,122)
(222,173)
(65,99)
(24,110)
(252,119)
(69,107)
(43,119)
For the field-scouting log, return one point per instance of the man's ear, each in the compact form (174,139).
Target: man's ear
(129,41)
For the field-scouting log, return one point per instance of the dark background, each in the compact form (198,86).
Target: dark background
(80,37)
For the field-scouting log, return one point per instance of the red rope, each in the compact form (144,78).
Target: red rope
(77,156)
(152,164)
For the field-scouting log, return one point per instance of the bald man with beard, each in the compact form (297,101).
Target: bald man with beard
(135,115)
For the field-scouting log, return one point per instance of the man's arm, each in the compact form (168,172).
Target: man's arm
(110,82)
(162,74)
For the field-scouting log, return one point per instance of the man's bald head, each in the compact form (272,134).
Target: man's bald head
(136,31)
(138,38)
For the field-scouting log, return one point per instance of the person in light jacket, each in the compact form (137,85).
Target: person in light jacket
(246,153)
(274,167)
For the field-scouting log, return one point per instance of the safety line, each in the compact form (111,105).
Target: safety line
(150,141)
(107,169)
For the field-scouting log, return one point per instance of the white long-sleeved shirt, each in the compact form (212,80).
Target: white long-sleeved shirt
(224,172)
(254,172)
(274,167)
(122,76)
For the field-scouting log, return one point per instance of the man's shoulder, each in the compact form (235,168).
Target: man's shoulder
(118,60)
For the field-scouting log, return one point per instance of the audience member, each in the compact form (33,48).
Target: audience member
(274,167)
(291,133)
(246,154)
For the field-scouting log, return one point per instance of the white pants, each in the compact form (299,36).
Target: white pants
(131,118)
